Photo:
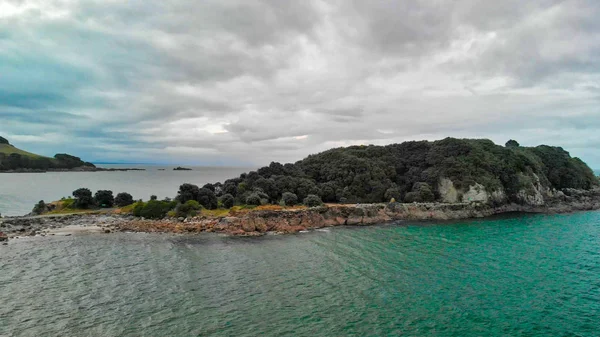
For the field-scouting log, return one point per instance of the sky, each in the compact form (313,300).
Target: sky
(238,83)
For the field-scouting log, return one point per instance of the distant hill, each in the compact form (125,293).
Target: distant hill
(448,170)
(14,159)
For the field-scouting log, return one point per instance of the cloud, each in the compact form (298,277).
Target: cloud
(243,83)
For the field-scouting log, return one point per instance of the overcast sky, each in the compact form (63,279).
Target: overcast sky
(229,82)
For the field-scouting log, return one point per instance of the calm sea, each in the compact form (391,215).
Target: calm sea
(512,276)
(20,191)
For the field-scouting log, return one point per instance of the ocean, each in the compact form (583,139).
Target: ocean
(19,192)
(515,275)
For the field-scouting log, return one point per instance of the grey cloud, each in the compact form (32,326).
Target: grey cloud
(249,82)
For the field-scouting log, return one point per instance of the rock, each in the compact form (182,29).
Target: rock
(180,219)
(448,192)
(107,231)
(476,193)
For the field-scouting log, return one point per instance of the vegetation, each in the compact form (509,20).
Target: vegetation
(12,158)
(312,201)
(289,199)
(104,199)
(190,208)
(204,196)
(153,209)
(227,201)
(39,208)
(411,171)
(83,198)
(123,199)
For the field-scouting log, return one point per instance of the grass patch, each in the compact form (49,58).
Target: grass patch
(9,149)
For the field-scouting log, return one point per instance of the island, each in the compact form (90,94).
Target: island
(15,160)
(179,168)
(357,185)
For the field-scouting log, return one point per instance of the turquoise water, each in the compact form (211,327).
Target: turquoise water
(510,276)
(20,191)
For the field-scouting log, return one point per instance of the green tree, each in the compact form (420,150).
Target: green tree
(289,199)
(312,201)
(123,199)
(227,200)
(104,198)
(83,198)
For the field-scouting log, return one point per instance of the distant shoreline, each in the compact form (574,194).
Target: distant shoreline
(78,169)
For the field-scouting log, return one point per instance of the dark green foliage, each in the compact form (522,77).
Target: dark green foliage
(253,200)
(104,199)
(421,192)
(209,186)
(123,199)
(227,200)
(153,197)
(188,209)
(153,209)
(379,173)
(512,143)
(3,140)
(289,199)
(207,198)
(40,208)
(187,192)
(83,198)
(312,201)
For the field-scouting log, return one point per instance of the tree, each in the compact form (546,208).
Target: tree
(210,187)
(227,200)
(104,198)
(289,199)
(512,143)
(123,199)
(40,208)
(153,197)
(312,201)
(207,198)
(83,198)
(190,208)
(4,140)
(253,200)
(187,192)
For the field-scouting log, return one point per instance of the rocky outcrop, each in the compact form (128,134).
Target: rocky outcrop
(260,222)
(447,191)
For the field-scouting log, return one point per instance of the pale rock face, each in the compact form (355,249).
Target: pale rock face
(447,191)
(476,193)
(534,194)
(499,196)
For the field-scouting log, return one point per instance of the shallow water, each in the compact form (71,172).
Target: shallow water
(19,192)
(518,275)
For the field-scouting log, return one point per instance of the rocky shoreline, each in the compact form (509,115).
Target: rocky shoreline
(261,222)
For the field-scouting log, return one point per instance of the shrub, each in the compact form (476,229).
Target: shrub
(104,198)
(207,198)
(40,208)
(312,201)
(153,197)
(227,200)
(83,198)
(187,192)
(153,209)
(253,200)
(421,192)
(190,208)
(123,199)
(289,199)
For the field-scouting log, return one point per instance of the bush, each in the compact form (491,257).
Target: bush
(83,198)
(40,208)
(312,201)
(153,197)
(190,208)
(187,192)
(153,209)
(123,199)
(104,198)
(207,198)
(289,199)
(421,192)
(227,200)
(253,200)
